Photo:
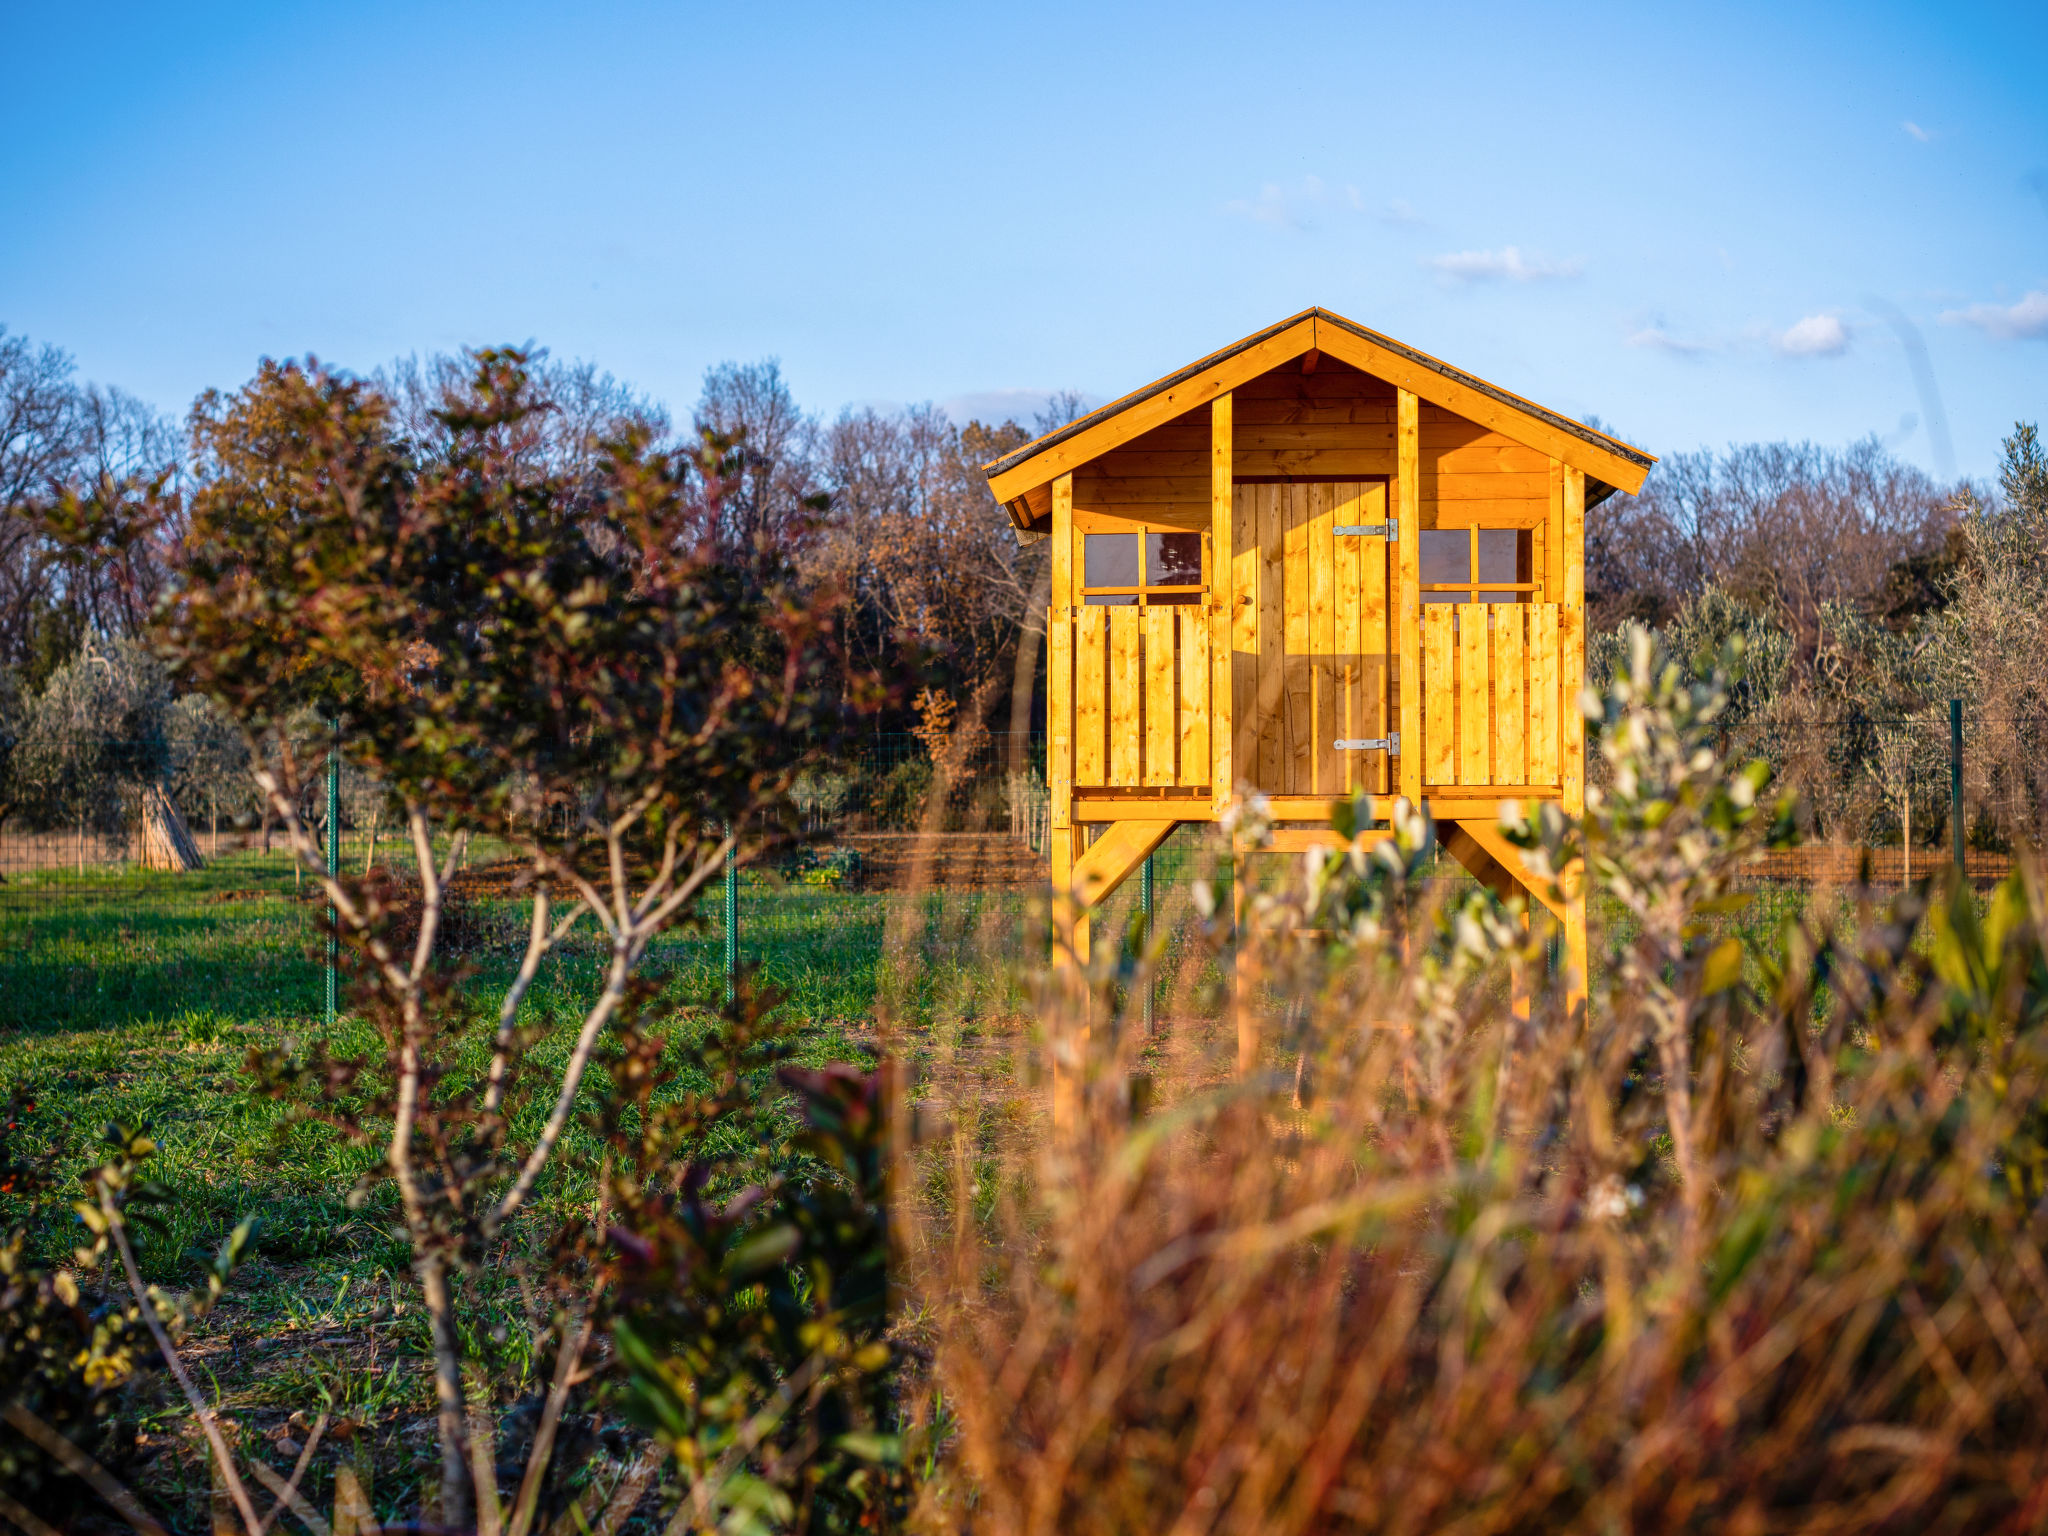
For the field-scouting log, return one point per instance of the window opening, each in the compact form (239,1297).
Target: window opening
(1153,569)
(1459,564)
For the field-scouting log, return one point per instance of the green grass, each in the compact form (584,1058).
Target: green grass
(136,998)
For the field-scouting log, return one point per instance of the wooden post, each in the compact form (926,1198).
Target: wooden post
(1572,680)
(1223,600)
(1408,601)
(1222,577)
(1244,982)
(1059,682)
(1069,921)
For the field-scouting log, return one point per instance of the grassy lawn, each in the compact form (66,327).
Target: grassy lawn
(136,997)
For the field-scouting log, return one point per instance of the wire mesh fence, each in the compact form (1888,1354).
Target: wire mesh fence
(897,838)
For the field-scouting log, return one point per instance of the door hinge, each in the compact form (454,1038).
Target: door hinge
(1372,744)
(1388,530)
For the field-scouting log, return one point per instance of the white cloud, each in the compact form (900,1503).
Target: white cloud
(1508,262)
(2026,320)
(1269,207)
(1661,340)
(1400,212)
(1815,336)
(1282,205)
(1916,130)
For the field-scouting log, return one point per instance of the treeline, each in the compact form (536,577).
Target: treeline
(1865,594)
(1865,598)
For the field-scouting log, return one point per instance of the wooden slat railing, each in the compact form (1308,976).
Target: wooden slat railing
(1140,695)
(1491,711)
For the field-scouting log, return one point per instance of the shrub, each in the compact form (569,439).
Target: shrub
(1752,1244)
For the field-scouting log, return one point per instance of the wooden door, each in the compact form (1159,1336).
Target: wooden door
(1310,639)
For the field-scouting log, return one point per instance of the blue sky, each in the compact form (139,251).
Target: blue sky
(1703,224)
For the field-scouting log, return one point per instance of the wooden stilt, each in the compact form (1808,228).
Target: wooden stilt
(1093,871)
(1575,967)
(1244,984)
(1519,990)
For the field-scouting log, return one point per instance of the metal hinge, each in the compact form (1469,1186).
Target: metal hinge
(1372,744)
(1387,530)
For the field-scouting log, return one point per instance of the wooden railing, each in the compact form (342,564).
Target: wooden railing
(1491,707)
(1142,716)
(1140,696)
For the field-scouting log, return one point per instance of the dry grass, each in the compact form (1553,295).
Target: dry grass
(1753,1245)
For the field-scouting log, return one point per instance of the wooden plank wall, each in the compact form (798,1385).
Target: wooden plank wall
(1294,596)
(1492,695)
(1141,695)
(1333,424)
(1312,647)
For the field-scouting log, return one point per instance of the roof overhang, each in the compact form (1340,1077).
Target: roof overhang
(1020,479)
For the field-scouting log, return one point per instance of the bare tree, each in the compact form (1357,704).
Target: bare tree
(772,498)
(1786,527)
(86,502)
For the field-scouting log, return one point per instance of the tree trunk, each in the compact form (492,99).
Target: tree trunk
(167,843)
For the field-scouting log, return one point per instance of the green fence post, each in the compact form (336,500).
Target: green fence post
(333,867)
(1145,906)
(1955,777)
(732,921)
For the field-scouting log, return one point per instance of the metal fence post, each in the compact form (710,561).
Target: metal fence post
(732,921)
(1955,777)
(333,867)
(1145,906)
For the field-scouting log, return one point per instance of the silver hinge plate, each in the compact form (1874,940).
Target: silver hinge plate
(1371,744)
(1390,530)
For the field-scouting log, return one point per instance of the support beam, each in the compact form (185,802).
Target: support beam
(1084,874)
(1495,862)
(1301,839)
(1572,646)
(1059,663)
(1222,574)
(1114,857)
(1244,971)
(1408,599)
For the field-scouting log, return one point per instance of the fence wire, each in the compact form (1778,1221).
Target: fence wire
(84,923)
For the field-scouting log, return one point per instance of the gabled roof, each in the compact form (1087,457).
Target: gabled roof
(1608,463)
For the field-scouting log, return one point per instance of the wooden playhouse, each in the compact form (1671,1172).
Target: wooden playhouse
(1313,563)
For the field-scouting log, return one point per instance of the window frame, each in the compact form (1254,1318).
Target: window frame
(1524,547)
(1142,590)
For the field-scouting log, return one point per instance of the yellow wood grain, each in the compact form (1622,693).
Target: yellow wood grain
(1475,674)
(1375,663)
(1121,425)
(1325,719)
(1404,600)
(1510,694)
(1438,672)
(1553,537)
(1126,679)
(1544,702)
(1091,694)
(1571,642)
(1059,658)
(1510,421)
(1244,634)
(1216,689)
(1347,661)
(1272,636)
(1162,730)
(1195,706)
(1298,748)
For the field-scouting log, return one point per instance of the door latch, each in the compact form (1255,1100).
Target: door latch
(1387,530)
(1371,744)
